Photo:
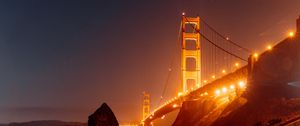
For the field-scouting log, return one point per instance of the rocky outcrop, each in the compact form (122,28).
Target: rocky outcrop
(191,111)
(103,116)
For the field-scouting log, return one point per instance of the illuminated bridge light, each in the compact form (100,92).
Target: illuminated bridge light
(255,55)
(180,94)
(218,92)
(224,89)
(291,34)
(213,76)
(237,64)
(175,105)
(205,81)
(231,86)
(242,84)
(163,117)
(269,47)
(205,93)
(187,91)
(223,71)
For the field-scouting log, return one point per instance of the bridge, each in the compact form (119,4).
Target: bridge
(213,69)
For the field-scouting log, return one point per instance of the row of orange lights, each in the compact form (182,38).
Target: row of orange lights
(269,47)
(204,81)
(218,91)
(223,71)
(241,84)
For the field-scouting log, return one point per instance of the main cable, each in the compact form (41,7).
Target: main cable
(214,43)
(228,40)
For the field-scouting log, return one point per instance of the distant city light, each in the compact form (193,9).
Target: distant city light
(213,76)
(183,13)
(205,81)
(227,38)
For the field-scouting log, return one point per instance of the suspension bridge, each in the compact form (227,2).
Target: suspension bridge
(213,68)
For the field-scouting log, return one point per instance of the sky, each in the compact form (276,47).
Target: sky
(61,59)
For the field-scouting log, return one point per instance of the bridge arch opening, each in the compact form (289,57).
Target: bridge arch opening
(190,64)
(190,27)
(190,44)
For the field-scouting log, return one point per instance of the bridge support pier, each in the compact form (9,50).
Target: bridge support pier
(251,61)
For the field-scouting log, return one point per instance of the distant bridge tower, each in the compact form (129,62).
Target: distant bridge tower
(190,54)
(146,104)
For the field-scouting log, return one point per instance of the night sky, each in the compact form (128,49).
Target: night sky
(61,59)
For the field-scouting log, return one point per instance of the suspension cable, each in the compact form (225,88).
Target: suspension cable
(170,68)
(215,44)
(230,41)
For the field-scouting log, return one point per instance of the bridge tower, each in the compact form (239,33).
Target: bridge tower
(190,53)
(146,104)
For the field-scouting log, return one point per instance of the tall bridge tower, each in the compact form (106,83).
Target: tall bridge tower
(190,53)
(146,104)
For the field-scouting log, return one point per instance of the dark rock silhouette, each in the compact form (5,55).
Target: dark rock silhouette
(103,116)
(191,111)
